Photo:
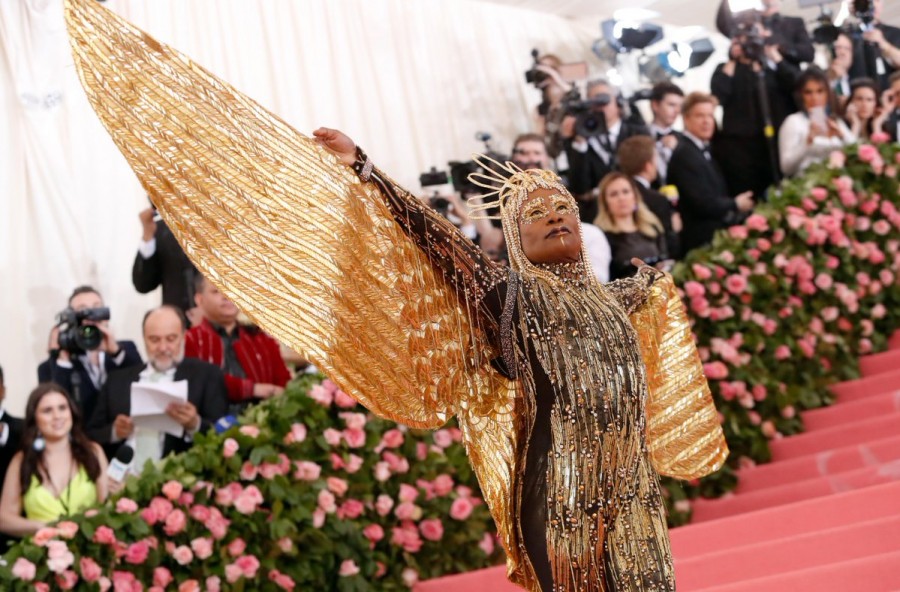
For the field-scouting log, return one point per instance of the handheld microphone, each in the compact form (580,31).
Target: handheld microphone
(224,424)
(118,467)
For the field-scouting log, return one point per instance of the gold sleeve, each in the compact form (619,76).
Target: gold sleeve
(684,436)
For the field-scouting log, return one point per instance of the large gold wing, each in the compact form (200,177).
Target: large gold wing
(294,239)
(684,436)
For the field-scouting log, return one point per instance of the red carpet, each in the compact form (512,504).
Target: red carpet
(823,516)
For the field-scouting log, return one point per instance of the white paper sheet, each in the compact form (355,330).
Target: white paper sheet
(149,401)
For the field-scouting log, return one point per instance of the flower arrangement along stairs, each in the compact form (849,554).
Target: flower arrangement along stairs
(824,515)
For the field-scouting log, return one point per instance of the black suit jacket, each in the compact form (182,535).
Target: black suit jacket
(742,113)
(51,371)
(206,390)
(788,32)
(662,209)
(703,198)
(168,267)
(7,451)
(864,52)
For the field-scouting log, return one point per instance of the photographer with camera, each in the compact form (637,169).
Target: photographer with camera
(594,129)
(789,33)
(83,349)
(876,46)
(755,88)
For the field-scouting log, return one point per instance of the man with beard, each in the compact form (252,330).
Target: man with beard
(111,423)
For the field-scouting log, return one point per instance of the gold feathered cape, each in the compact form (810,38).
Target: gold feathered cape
(314,257)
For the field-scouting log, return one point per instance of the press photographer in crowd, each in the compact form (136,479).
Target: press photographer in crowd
(594,135)
(876,46)
(755,88)
(839,67)
(83,349)
(160,261)
(788,33)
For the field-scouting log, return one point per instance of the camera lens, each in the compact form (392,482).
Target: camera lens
(88,337)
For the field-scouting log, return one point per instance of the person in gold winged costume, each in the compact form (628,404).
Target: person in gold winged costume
(571,396)
(587,509)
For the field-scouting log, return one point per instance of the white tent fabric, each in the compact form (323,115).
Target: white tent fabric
(412,81)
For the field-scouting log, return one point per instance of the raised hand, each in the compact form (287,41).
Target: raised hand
(338,143)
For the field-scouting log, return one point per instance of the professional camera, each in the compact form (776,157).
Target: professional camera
(433,178)
(749,32)
(589,120)
(76,335)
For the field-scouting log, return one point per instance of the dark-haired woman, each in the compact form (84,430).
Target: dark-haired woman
(811,134)
(862,112)
(59,471)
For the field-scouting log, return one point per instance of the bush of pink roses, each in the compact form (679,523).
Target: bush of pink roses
(783,305)
(309,492)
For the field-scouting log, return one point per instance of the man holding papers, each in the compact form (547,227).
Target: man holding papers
(157,408)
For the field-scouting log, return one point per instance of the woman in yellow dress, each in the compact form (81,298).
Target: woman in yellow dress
(59,471)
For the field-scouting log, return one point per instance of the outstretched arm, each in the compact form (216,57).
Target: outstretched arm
(477,281)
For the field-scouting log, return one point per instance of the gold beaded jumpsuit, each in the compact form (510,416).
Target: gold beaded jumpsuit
(571,396)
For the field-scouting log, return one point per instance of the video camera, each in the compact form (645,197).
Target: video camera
(433,178)
(77,334)
(749,31)
(864,10)
(589,120)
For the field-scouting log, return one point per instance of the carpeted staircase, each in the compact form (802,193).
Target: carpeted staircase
(823,516)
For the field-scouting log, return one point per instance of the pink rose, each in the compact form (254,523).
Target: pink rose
(149,516)
(353,421)
(461,508)
(230,447)
(738,232)
(836,160)
(59,558)
(175,522)
(348,568)
(137,553)
(249,565)
(125,505)
(757,222)
(162,577)
(443,484)
(408,493)
(104,535)
(410,577)
(285,544)
(172,490)
(249,471)
(213,584)
(296,435)
(392,438)
(442,438)
(189,586)
(44,535)
(383,505)
(694,289)
(354,463)
(162,507)
(336,486)
(736,284)
(249,500)
(373,532)
(183,555)
(326,501)
(306,471)
(67,529)
(487,544)
(343,400)
(408,511)
(202,547)
(67,579)
(318,518)
(356,438)
(24,569)
(868,153)
(407,536)
(382,471)
(237,547)
(320,395)
(90,569)
(332,436)
(768,429)
(281,580)
(232,573)
(715,370)
(250,430)
(431,529)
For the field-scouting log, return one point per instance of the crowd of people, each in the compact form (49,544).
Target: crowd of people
(658,190)
(78,420)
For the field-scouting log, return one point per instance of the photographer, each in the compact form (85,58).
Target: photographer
(755,88)
(546,77)
(594,136)
(876,47)
(83,349)
(789,33)
(839,67)
(160,261)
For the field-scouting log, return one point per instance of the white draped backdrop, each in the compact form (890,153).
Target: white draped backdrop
(410,80)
